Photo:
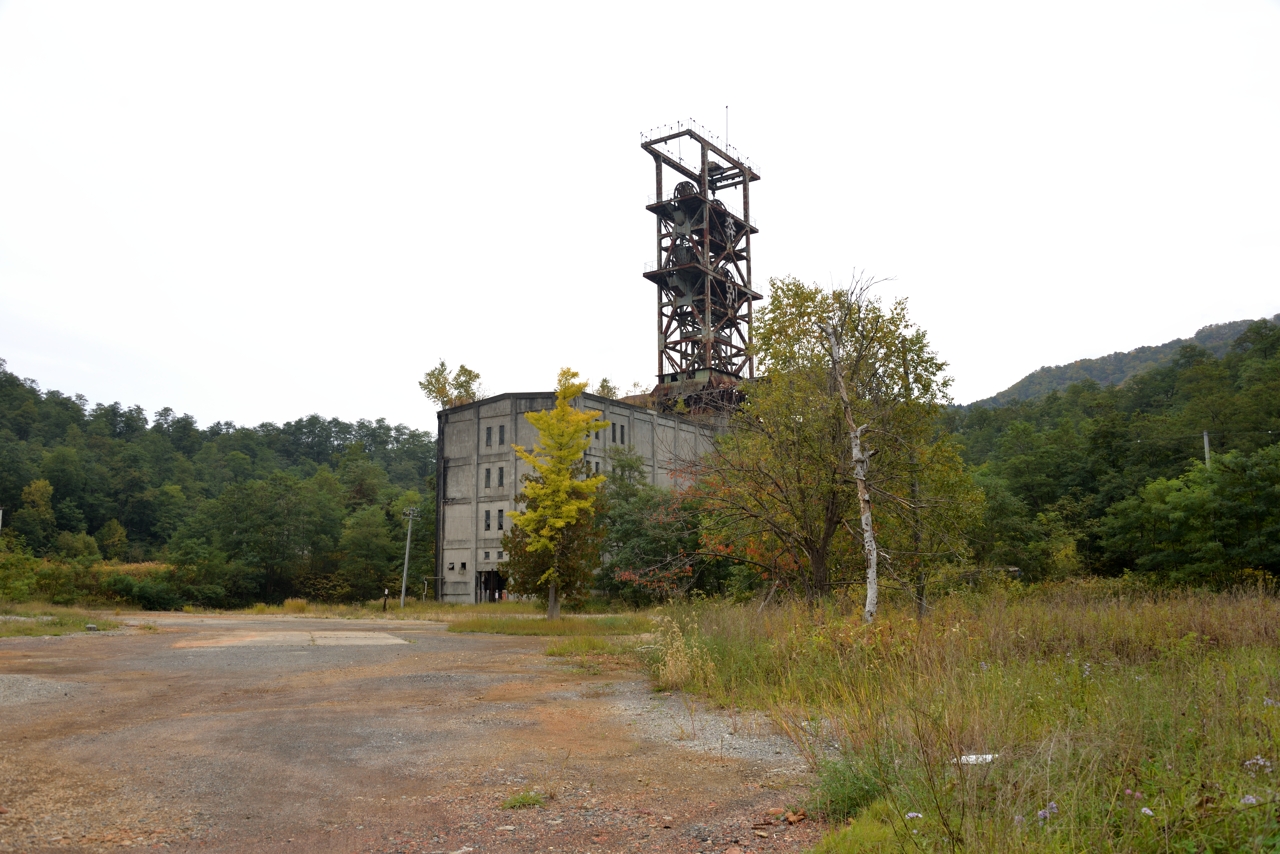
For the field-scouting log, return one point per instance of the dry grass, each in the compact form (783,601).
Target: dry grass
(598,626)
(413,610)
(1100,702)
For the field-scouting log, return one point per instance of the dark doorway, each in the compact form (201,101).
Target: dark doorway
(490,586)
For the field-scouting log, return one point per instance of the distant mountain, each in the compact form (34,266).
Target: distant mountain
(1118,367)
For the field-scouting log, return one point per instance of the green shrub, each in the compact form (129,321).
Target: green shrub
(151,594)
(846,786)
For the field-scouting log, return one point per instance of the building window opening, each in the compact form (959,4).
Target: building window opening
(597,467)
(501,470)
(486,555)
(499,554)
(488,436)
(624,434)
(502,434)
(486,520)
(615,434)
(499,519)
(486,477)
(463,568)
(451,567)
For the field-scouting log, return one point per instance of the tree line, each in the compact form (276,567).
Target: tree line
(846,467)
(1102,480)
(239,514)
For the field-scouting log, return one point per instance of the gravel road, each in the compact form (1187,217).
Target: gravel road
(248,734)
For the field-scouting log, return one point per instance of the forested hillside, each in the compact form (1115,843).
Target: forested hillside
(1118,367)
(311,507)
(1104,479)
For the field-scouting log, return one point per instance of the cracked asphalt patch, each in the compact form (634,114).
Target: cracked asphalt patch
(240,734)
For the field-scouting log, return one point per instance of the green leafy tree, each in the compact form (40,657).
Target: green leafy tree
(605,388)
(363,480)
(1207,526)
(780,489)
(36,520)
(113,540)
(651,538)
(368,553)
(549,552)
(281,525)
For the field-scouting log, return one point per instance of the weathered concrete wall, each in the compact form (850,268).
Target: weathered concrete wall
(478,438)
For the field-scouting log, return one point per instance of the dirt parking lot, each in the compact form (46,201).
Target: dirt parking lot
(239,734)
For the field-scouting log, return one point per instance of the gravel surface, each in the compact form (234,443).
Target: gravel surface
(198,737)
(16,690)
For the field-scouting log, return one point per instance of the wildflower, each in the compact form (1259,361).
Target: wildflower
(1147,811)
(1087,668)
(1051,809)
(1267,701)
(1017,819)
(1256,764)
(1248,800)
(983,665)
(914,815)
(1128,791)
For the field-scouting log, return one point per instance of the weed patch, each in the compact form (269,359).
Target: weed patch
(846,786)
(41,620)
(524,800)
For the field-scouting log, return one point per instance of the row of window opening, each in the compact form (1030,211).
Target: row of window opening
(616,433)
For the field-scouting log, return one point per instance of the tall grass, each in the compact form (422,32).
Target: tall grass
(1120,720)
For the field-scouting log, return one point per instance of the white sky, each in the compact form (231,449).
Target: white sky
(257,210)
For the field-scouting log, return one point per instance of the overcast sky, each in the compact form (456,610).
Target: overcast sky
(254,211)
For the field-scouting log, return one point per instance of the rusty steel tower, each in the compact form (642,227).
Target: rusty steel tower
(703,268)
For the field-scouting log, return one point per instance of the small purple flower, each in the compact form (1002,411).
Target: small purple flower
(1256,764)
(1147,811)
(983,665)
(1248,800)
(1267,701)
(914,815)
(1051,809)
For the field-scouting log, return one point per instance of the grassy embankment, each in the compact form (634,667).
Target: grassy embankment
(1119,720)
(40,620)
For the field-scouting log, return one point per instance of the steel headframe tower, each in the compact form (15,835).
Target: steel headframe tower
(703,269)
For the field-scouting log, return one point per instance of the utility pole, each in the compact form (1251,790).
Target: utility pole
(1206,449)
(410,513)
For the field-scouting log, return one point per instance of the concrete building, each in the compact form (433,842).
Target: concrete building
(478,475)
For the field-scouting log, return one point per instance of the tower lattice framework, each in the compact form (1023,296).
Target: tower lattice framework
(702,269)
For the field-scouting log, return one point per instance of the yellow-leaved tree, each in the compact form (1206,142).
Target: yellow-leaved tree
(552,546)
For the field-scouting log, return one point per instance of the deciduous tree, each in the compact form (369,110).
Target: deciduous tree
(781,488)
(449,390)
(549,547)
